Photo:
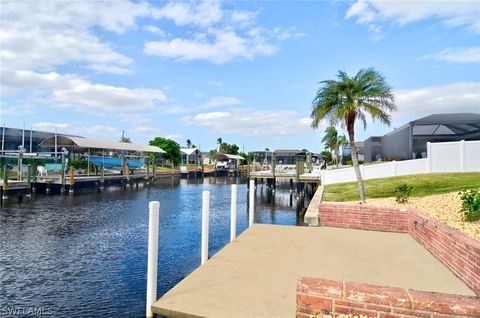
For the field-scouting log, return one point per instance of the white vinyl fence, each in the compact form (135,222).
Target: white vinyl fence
(457,156)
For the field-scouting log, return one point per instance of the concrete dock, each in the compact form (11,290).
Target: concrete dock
(256,275)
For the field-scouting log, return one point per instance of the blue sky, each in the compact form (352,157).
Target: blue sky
(243,71)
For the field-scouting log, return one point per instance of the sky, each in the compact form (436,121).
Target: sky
(245,71)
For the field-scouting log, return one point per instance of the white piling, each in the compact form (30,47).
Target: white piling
(205,215)
(233,213)
(251,202)
(154,208)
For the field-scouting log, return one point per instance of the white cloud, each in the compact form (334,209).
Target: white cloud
(451,13)
(38,35)
(251,122)
(201,13)
(458,55)
(286,34)
(71,91)
(457,97)
(75,129)
(217,46)
(49,126)
(155,30)
(219,101)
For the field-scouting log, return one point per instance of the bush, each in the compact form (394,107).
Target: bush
(402,192)
(79,163)
(470,204)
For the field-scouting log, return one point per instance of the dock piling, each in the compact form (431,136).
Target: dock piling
(251,202)
(154,208)
(233,213)
(205,215)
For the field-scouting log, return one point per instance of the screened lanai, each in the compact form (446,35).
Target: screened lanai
(410,140)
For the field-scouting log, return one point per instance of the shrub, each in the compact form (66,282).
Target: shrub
(402,192)
(79,163)
(470,204)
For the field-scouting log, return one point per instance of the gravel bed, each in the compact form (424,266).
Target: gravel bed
(443,207)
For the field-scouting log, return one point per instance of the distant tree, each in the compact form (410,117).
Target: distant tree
(248,157)
(219,143)
(342,142)
(266,149)
(212,153)
(330,139)
(189,143)
(231,149)
(171,147)
(346,100)
(326,156)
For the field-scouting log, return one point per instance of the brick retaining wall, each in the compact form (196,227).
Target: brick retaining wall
(363,217)
(458,252)
(317,296)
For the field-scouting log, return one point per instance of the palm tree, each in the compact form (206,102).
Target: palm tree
(189,143)
(331,141)
(219,142)
(348,99)
(342,142)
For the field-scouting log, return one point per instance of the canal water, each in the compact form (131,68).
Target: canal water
(85,255)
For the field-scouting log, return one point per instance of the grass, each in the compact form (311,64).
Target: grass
(423,185)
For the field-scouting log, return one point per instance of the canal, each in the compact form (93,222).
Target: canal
(85,255)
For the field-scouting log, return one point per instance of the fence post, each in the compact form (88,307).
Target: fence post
(154,207)
(233,213)
(429,157)
(205,214)
(251,203)
(394,167)
(462,155)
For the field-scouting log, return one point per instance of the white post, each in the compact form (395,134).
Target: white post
(30,139)
(462,155)
(23,136)
(233,213)
(429,157)
(205,213)
(394,168)
(55,145)
(154,207)
(3,138)
(251,202)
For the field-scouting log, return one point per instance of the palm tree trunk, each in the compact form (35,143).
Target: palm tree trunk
(356,167)
(336,155)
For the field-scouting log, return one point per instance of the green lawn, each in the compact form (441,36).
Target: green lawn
(423,184)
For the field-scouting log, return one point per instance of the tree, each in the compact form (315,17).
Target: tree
(342,143)
(171,148)
(219,142)
(189,143)
(227,148)
(330,139)
(248,157)
(345,100)
(326,156)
